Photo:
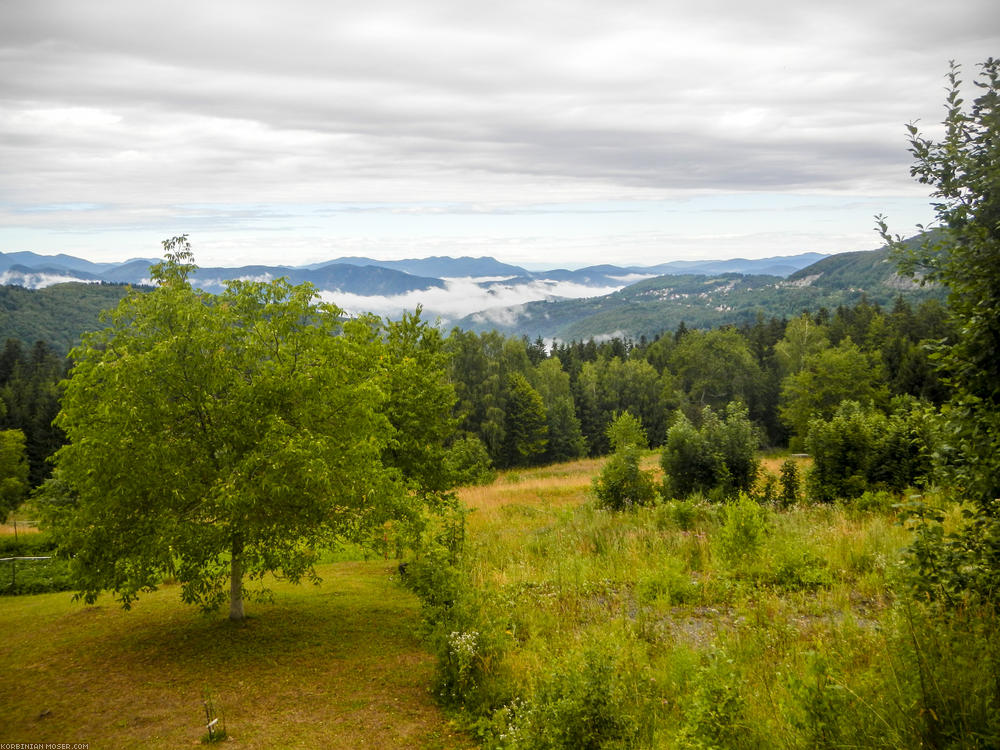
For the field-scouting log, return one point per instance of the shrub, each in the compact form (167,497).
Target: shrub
(719,458)
(586,700)
(468,462)
(622,484)
(716,714)
(790,482)
(862,448)
(744,529)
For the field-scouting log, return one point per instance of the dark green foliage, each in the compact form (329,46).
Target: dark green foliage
(610,386)
(719,456)
(688,461)
(791,483)
(565,436)
(525,425)
(29,388)
(862,448)
(13,472)
(716,367)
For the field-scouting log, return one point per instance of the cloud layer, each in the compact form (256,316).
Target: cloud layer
(244,117)
(461,297)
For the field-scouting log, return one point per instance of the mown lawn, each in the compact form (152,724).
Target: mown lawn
(338,665)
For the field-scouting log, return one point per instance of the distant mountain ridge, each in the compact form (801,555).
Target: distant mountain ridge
(33,271)
(484,293)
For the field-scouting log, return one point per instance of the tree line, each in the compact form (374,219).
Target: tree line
(529,403)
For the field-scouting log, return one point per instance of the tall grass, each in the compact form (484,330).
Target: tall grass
(691,625)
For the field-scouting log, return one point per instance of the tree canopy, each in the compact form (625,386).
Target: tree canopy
(212,437)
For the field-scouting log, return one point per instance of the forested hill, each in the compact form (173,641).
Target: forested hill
(654,305)
(57,314)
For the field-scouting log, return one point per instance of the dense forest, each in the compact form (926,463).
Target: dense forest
(529,404)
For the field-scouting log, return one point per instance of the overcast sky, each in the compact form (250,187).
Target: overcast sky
(550,133)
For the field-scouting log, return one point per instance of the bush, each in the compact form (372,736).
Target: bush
(468,462)
(622,484)
(862,448)
(744,529)
(586,700)
(718,459)
(790,482)
(716,713)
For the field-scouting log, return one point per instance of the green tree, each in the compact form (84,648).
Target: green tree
(420,404)
(963,253)
(716,367)
(861,448)
(622,485)
(13,472)
(609,386)
(720,455)
(791,482)
(803,338)
(526,428)
(217,437)
(626,430)
(827,378)
(688,460)
(565,436)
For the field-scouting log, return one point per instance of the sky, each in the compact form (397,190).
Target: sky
(546,133)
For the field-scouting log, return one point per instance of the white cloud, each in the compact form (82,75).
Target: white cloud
(38,280)
(461,297)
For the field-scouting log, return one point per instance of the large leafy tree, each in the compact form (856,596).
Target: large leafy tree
(963,253)
(213,438)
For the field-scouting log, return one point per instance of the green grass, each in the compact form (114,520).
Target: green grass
(689,624)
(336,665)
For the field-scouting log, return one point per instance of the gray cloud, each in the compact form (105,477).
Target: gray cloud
(145,107)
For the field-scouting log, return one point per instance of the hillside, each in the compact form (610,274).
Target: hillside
(57,314)
(701,301)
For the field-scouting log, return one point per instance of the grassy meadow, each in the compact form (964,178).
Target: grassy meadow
(336,665)
(690,624)
(545,622)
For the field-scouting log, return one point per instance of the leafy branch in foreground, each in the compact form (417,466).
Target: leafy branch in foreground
(963,253)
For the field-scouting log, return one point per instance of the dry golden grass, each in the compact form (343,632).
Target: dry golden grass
(544,488)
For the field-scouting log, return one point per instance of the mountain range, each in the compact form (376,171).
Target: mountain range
(56,297)
(370,277)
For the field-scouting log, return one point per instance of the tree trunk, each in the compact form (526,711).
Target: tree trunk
(236,583)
